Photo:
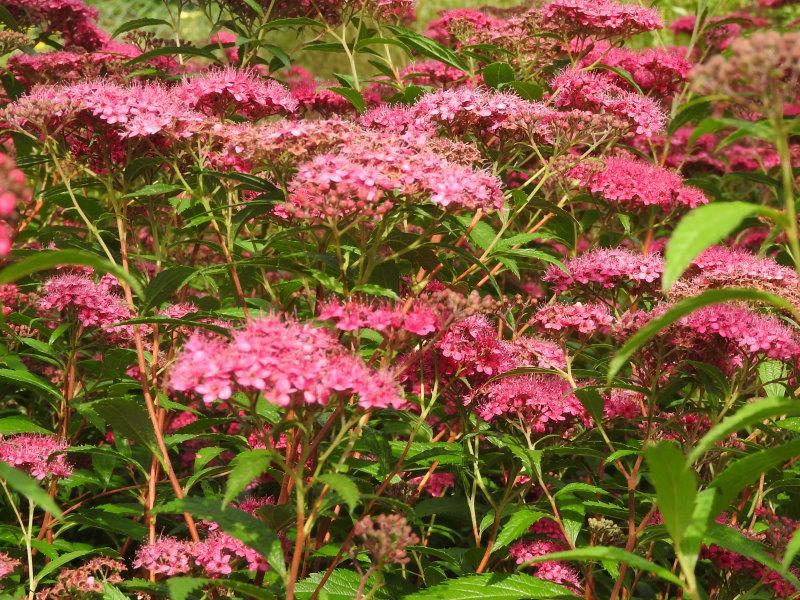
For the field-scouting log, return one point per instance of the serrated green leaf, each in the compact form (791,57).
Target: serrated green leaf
(497,586)
(343,486)
(20,425)
(246,466)
(516,526)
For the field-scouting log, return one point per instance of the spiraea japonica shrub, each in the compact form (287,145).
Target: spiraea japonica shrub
(313,299)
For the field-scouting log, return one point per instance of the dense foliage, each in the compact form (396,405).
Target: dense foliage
(507,309)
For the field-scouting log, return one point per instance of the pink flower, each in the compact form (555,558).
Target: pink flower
(606,268)
(598,18)
(219,550)
(222,91)
(452,25)
(544,402)
(436,483)
(580,318)
(287,361)
(73,19)
(636,184)
(556,571)
(472,345)
(166,556)
(7,565)
(92,304)
(40,456)
(598,91)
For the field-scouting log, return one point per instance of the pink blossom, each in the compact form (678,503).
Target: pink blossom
(544,402)
(606,268)
(286,360)
(598,18)
(637,184)
(91,303)
(472,345)
(7,565)
(227,90)
(166,556)
(73,19)
(581,318)
(550,570)
(218,551)
(436,483)
(598,91)
(40,456)
(739,268)
(459,23)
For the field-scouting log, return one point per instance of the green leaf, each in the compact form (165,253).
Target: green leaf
(111,592)
(527,90)
(747,470)
(610,553)
(165,284)
(353,96)
(48,259)
(182,588)
(20,425)
(496,74)
(247,466)
(241,525)
(59,562)
(428,47)
(681,309)
(30,381)
(129,419)
(28,487)
(676,487)
(733,540)
(344,486)
(488,586)
(155,189)
(703,227)
(175,50)
(770,372)
(755,412)
(792,548)
(516,526)
(136,24)
(341,585)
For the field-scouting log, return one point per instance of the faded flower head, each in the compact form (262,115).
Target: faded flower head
(385,538)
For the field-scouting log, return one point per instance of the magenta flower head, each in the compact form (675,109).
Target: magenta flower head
(41,456)
(598,18)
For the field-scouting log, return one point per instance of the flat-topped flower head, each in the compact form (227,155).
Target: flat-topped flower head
(230,90)
(165,556)
(598,18)
(562,318)
(637,184)
(606,268)
(288,361)
(41,456)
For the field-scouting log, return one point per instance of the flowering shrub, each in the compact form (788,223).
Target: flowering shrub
(507,309)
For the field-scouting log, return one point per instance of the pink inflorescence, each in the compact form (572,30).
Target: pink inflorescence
(459,23)
(598,18)
(472,345)
(599,91)
(92,304)
(13,193)
(385,538)
(737,268)
(355,314)
(658,70)
(41,456)
(750,332)
(7,565)
(481,112)
(222,91)
(368,182)
(166,556)
(436,483)
(544,402)
(73,19)
(636,184)
(286,360)
(586,318)
(218,553)
(606,268)
(549,570)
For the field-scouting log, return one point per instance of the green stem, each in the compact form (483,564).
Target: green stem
(787,180)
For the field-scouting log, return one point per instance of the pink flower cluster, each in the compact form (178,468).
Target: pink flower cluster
(13,192)
(452,26)
(636,184)
(598,18)
(385,538)
(606,268)
(584,318)
(543,402)
(367,182)
(549,570)
(599,91)
(73,19)
(91,304)
(289,362)
(355,314)
(436,483)
(732,268)
(7,565)
(750,332)
(658,70)
(226,91)
(41,456)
